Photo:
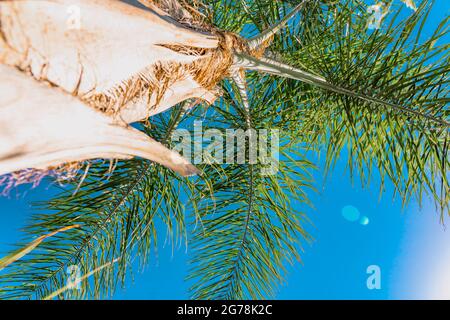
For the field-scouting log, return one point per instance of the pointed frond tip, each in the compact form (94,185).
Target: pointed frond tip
(280,69)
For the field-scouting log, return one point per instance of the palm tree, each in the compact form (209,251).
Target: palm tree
(310,69)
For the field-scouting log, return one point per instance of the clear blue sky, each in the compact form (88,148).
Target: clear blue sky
(410,246)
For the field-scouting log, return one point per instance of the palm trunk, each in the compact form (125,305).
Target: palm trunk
(41,127)
(113,57)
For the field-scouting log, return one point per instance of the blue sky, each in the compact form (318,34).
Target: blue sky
(409,245)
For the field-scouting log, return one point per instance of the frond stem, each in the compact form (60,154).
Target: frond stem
(279,69)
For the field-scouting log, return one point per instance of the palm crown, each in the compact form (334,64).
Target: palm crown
(328,83)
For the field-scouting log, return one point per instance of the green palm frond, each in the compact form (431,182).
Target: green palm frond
(247,234)
(250,227)
(392,63)
(395,64)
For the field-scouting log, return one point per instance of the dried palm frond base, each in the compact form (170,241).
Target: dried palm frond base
(41,127)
